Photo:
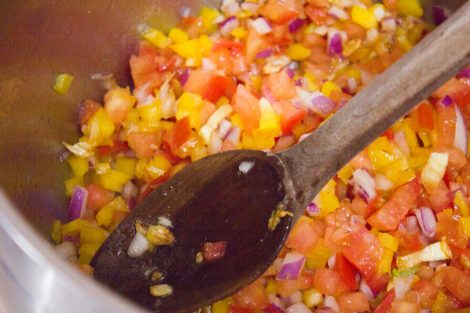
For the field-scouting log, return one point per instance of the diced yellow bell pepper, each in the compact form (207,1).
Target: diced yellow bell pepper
(56,233)
(345,173)
(298,52)
(132,117)
(158,166)
(385,264)
(150,113)
(198,152)
(329,203)
(62,83)
(439,305)
(222,101)
(78,165)
(125,165)
(257,140)
(114,180)
(188,49)
(205,44)
(238,32)
(236,120)
(461,203)
(92,234)
(87,252)
(318,257)
(208,16)
(329,87)
(312,298)
(156,37)
(269,122)
(271,286)
(73,228)
(221,306)
(410,7)
(465,224)
(71,183)
(100,127)
(178,35)
(399,177)
(312,83)
(105,216)
(190,104)
(388,241)
(363,17)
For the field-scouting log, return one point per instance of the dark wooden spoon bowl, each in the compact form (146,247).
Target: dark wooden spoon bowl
(212,200)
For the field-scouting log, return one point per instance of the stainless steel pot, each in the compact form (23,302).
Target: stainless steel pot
(37,40)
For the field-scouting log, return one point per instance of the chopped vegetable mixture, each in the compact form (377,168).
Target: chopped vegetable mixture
(389,233)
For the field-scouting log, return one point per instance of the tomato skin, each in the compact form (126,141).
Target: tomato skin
(290,115)
(346,271)
(378,282)
(254,43)
(427,292)
(448,226)
(353,302)
(177,136)
(440,198)
(425,115)
(98,197)
(252,297)
(278,11)
(446,123)
(386,305)
(118,146)
(364,251)
(395,209)
(304,236)
(219,86)
(232,45)
(247,106)
(146,67)
(143,144)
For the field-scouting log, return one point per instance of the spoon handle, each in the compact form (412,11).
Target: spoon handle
(438,57)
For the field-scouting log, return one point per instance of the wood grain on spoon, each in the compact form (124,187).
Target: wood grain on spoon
(212,200)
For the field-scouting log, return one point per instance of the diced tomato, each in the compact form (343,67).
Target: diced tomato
(451,88)
(144,144)
(386,305)
(283,143)
(118,146)
(354,31)
(446,123)
(391,5)
(403,306)
(378,282)
(290,115)
(303,282)
(232,45)
(304,236)
(440,198)
(318,15)
(272,308)
(198,81)
(425,113)
(327,281)
(254,43)
(427,292)
(98,197)
(353,302)
(219,86)
(252,297)
(282,87)
(448,226)
(212,251)
(178,135)
(279,11)
(247,106)
(364,251)
(395,209)
(457,158)
(86,110)
(409,242)
(346,271)
(361,160)
(458,283)
(144,68)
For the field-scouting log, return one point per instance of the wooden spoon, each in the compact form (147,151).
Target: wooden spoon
(212,200)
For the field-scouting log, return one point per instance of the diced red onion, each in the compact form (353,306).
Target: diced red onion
(295,25)
(411,224)
(261,26)
(364,184)
(322,105)
(228,25)
(67,251)
(291,267)
(447,101)
(298,308)
(264,54)
(290,72)
(272,308)
(224,128)
(335,46)
(426,221)
(331,303)
(338,13)
(138,246)
(299,82)
(365,289)
(234,135)
(129,191)
(227,20)
(331,261)
(184,77)
(400,140)
(464,74)
(295,297)
(461,134)
(215,145)
(77,205)
(313,209)
(383,183)
(275,300)
(439,14)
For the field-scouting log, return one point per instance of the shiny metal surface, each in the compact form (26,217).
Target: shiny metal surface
(37,40)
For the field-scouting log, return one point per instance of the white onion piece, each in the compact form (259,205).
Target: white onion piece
(364,184)
(229,26)
(400,140)
(402,285)
(388,25)
(426,221)
(224,128)
(261,26)
(291,267)
(129,191)
(352,84)
(208,65)
(461,135)
(273,299)
(338,13)
(215,145)
(251,7)
(138,246)
(331,261)
(383,183)
(298,308)
(234,135)
(411,224)
(331,303)
(365,289)
(165,221)
(246,166)
(67,251)
(295,297)
(167,99)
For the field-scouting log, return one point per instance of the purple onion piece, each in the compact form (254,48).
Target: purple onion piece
(447,101)
(464,74)
(336,45)
(231,18)
(322,105)
(77,205)
(298,82)
(264,54)
(439,14)
(291,266)
(184,77)
(426,221)
(290,72)
(272,308)
(295,25)
(313,209)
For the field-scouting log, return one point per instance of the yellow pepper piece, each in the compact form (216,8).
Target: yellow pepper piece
(239,32)
(318,257)
(150,113)
(465,223)
(100,126)
(56,233)
(257,140)
(329,87)
(188,49)
(363,17)
(87,252)
(236,120)
(385,264)
(114,180)
(312,298)
(190,104)
(205,44)
(410,7)
(78,165)
(178,35)
(105,216)
(92,234)
(269,122)
(298,52)
(312,83)
(158,166)
(71,183)
(125,165)
(156,37)
(439,305)
(388,241)
(221,306)
(345,173)
(271,286)
(73,228)
(62,83)
(208,16)
(461,203)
